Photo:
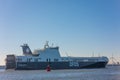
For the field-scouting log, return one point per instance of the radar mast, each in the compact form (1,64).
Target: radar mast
(46,44)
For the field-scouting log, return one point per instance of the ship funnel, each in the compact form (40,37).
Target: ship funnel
(26,49)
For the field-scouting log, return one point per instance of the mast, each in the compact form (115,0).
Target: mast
(46,44)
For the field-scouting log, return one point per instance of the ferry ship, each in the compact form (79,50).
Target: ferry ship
(49,55)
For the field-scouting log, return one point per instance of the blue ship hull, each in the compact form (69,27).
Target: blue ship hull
(57,65)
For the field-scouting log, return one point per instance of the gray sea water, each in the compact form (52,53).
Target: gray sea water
(108,73)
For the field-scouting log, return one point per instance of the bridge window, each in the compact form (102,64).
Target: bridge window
(19,59)
(29,59)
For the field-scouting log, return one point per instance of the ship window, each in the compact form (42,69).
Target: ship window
(47,60)
(29,59)
(19,59)
(85,60)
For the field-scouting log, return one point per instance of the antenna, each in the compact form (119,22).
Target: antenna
(66,54)
(46,44)
(93,54)
(112,58)
(52,44)
(98,54)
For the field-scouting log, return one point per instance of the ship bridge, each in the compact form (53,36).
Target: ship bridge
(48,53)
